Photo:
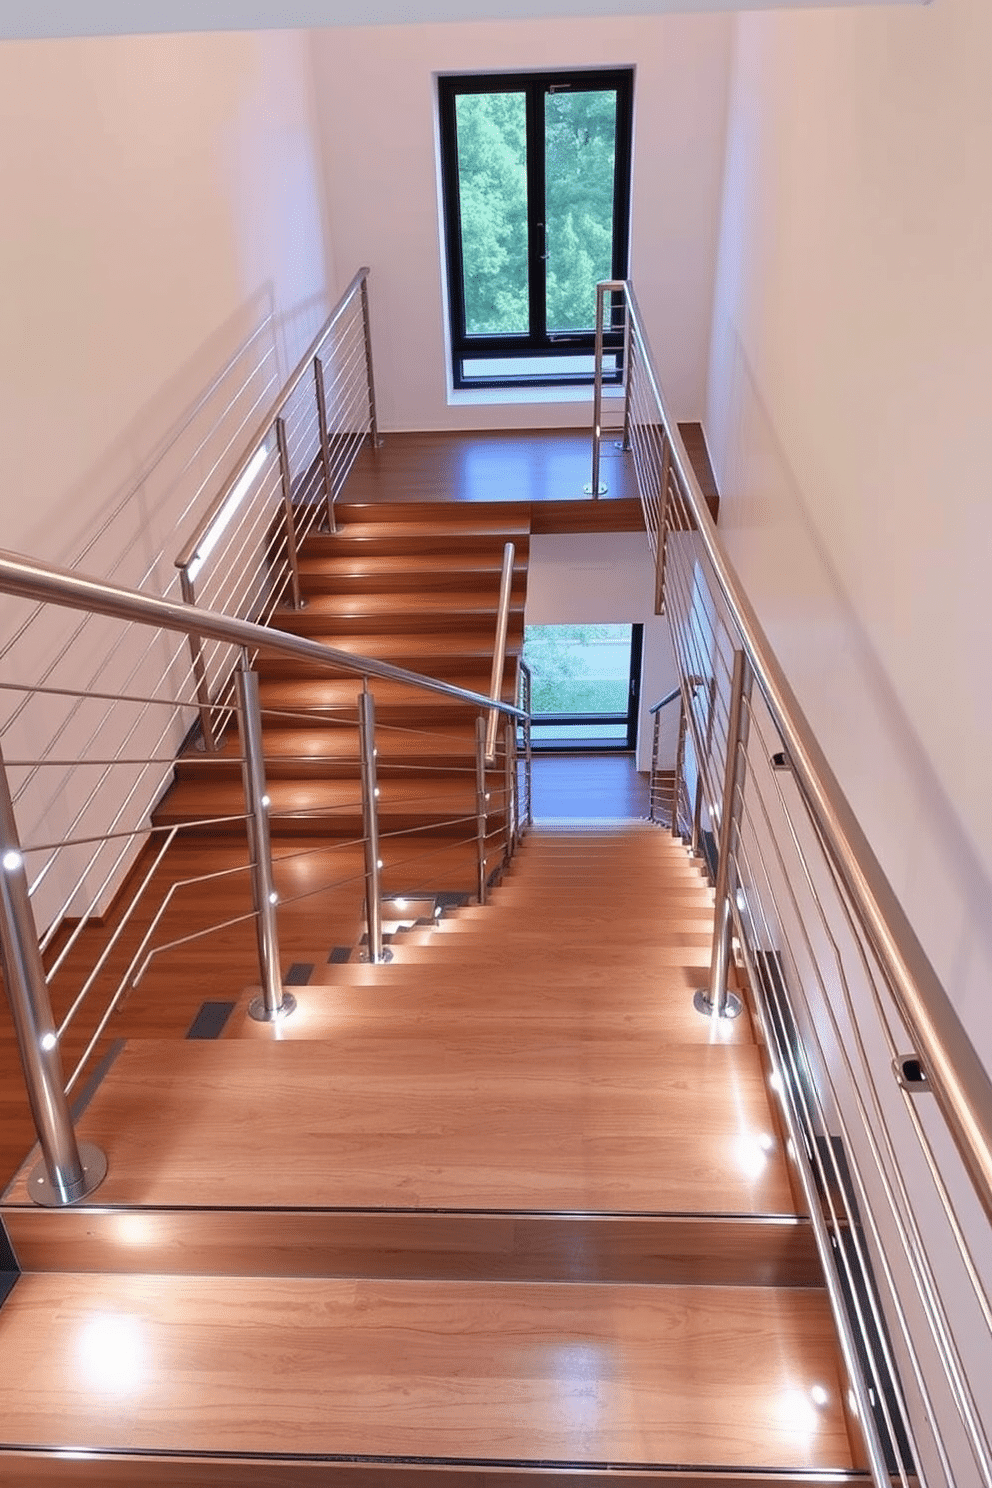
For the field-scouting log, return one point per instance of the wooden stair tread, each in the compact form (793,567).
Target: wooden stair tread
(456,1371)
(208,1123)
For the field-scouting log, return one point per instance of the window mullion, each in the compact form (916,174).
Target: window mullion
(536,234)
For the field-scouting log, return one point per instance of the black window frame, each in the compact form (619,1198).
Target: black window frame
(536,343)
(629,719)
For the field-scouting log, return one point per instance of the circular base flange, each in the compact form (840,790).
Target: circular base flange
(261,1014)
(590,492)
(732,1008)
(43,1191)
(366,959)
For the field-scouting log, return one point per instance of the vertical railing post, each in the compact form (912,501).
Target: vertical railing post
(367,330)
(661,537)
(594,488)
(524,701)
(510,784)
(292,545)
(272,1002)
(325,447)
(480,802)
(717,1001)
(199,669)
(499,646)
(68,1170)
(370,820)
(655,748)
(679,770)
(628,373)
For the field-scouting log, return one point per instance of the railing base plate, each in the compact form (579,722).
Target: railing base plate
(262,1014)
(733,1007)
(44,1192)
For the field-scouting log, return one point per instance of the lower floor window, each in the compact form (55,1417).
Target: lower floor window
(585,685)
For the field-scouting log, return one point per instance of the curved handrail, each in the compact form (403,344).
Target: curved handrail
(189,550)
(957,1078)
(34,580)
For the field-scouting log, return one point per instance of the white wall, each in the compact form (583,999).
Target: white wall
(848,419)
(608,578)
(163,223)
(376,100)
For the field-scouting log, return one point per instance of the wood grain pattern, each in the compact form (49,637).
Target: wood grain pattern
(673,1249)
(213,1123)
(456,1370)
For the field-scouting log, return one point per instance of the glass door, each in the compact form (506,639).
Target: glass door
(585,685)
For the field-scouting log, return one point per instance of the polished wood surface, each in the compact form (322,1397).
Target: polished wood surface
(483,1371)
(675,1249)
(374,1122)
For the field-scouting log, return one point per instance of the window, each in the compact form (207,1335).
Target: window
(536,184)
(585,685)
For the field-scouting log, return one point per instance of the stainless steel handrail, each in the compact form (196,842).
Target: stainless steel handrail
(669,697)
(960,1084)
(189,551)
(499,646)
(32,579)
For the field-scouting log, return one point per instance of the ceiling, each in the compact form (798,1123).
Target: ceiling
(48,18)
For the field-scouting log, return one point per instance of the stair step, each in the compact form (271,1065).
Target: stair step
(419,575)
(329,615)
(443,654)
(301,753)
(448,515)
(384,540)
(214,1123)
(462,1373)
(329,807)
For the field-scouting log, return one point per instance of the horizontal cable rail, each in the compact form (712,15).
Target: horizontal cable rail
(486,815)
(861,1032)
(243,557)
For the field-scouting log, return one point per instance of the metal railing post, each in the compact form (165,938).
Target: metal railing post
(199,669)
(661,537)
(679,771)
(481,801)
(292,546)
(367,329)
(370,821)
(499,647)
(68,1170)
(716,1001)
(272,1002)
(325,447)
(523,701)
(510,786)
(653,784)
(594,488)
(628,370)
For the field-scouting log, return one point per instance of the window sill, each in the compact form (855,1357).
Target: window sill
(510,395)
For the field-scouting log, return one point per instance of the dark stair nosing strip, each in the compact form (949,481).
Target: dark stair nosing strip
(299,974)
(9,1269)
(210,1020)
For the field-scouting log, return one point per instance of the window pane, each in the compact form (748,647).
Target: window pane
(579,733)
(579,668)
(580,150)
(492,187)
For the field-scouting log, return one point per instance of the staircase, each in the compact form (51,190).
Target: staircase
(503,1211)
(395,584)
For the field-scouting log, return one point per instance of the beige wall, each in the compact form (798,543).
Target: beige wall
(376,103)
(162,239)
(849,415)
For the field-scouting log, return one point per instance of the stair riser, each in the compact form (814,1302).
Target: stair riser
(36,1470)
(471,581)
(672,1250)
(469,622)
